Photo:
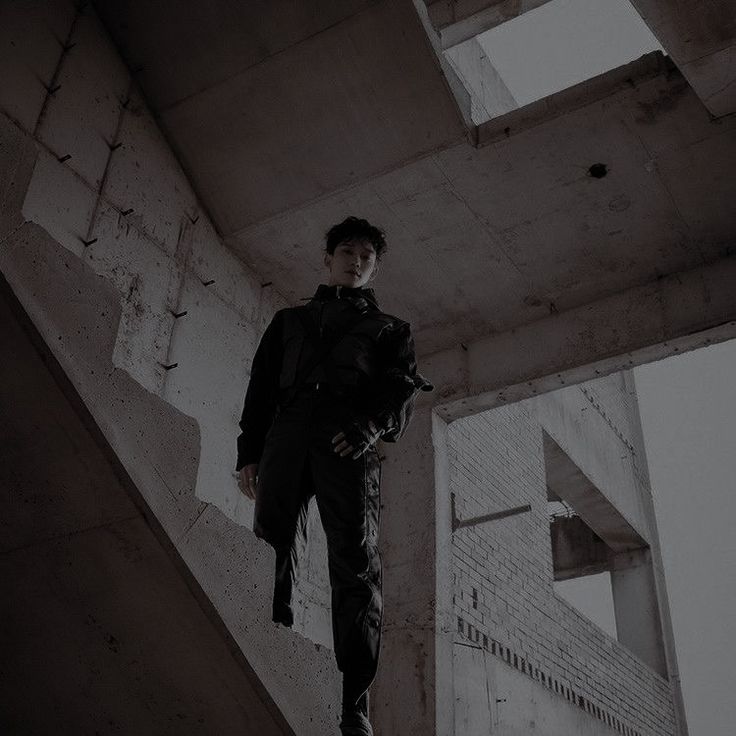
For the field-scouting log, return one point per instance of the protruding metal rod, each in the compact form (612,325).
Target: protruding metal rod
(475,520)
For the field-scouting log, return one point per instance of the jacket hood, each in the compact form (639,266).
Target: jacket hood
(355,294)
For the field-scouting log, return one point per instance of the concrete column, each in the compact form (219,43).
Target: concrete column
(413,690)
(637,607)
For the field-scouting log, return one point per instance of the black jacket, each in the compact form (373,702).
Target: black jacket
(371,366)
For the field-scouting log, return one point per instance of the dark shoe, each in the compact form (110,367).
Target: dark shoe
(354,714)
(355,723)
(282,614)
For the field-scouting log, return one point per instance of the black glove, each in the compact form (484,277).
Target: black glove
(361,434)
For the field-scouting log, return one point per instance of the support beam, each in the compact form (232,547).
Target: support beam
(458,20)
(701,39)
(576,549)
(671,315)
(413,692)
(638,621)
(568,482)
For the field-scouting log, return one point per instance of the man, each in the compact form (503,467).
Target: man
(329,379)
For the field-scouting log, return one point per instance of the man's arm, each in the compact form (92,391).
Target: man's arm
(261,396)
(398,382)
(395,393)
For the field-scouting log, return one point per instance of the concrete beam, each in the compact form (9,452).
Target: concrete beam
(676,313)
(576,549)
(568,482)
(459,20)
(413,690)
(635,601)
(701,39)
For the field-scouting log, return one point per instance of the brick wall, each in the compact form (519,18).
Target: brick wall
(503,584)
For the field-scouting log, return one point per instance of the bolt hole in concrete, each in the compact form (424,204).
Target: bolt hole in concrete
(546,50)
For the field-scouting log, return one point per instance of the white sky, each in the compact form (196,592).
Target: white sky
(688,411)
(565,42)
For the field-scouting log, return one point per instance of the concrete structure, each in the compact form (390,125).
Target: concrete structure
(167,172)
(515,638)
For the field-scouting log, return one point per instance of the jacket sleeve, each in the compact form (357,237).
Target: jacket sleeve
(398,381)
(261,395)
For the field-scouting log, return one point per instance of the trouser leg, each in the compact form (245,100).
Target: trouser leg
(288,557)
(283,491)
(348,496)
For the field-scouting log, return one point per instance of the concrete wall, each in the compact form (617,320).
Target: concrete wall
(104,630)
(107,248)
(504,600)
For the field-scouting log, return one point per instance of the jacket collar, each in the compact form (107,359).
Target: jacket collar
(354,294)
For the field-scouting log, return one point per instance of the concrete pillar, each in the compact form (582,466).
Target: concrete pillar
(413,691)
(490,97)
(636,605)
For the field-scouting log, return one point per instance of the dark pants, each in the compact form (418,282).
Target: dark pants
(298,462)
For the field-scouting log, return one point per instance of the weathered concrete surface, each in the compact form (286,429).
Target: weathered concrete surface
(524,214)
(489,94)
(513,263)
(261,104)
(78,307)
(456,21)
(701,39)
(103,629)
(504,600)
(160,448)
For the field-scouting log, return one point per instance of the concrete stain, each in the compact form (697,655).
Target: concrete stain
(664,102)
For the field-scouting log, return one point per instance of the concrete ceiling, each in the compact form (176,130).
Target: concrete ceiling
(288,116)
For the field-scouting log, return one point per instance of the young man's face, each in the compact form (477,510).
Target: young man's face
(352,264)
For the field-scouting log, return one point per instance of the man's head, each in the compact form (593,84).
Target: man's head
(352,251)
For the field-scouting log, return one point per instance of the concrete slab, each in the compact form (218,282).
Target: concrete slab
(204,44)
(457,21)
(237,572)
(44,493)
(32,34)
(158,449)
(524,213)
(103,634)
(81,119)
(17,157)
(211,352)
(64,291)
(60,201)
(370,85)
(101,628)
(714,79)
(145,178)
(701,39)
(123,254)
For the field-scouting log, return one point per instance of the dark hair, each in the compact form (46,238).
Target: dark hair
(353,228)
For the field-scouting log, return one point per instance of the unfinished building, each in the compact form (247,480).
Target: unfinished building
(167,173)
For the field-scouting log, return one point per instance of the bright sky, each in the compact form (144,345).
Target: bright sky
(688,411)
(565,42)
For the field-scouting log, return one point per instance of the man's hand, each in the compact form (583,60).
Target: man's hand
(343,447)
(356,439)
(247,480)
